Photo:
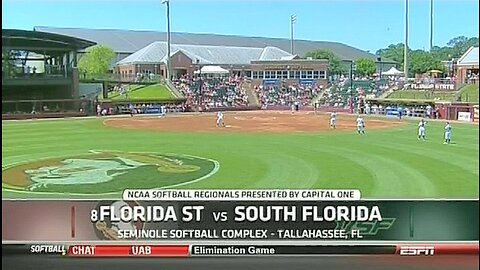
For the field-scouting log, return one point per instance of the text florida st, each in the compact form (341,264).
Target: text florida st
(241,213)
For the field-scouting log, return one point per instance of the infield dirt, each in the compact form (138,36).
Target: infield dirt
(249,122)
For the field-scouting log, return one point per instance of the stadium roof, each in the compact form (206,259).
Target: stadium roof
(470,57)
(157,53)
(42,41)
(130,41)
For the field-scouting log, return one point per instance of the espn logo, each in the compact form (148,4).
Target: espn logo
(416,250)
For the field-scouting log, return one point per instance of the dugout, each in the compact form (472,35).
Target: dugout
(143,106)
(49,108)
(462,111)
(39,74)
(411,107)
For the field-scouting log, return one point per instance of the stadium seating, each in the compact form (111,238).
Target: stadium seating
(286,95)
(212,92)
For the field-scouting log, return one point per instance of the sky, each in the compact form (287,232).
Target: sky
(366,24)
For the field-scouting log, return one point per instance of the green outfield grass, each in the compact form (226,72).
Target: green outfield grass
(382,164)
(469,93)
(141,92)
(420,94)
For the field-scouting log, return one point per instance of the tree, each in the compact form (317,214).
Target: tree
(394,52)
(443,53)
(461,44)
(335,65)
(11,62)
(365,66)
(457,40)
(422,61)
(96,61)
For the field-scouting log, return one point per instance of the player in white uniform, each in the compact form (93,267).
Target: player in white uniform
(333,120)
(360,125)
(220,122)
(421,129)
(448,133)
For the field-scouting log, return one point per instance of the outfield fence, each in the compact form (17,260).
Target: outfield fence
(475,113)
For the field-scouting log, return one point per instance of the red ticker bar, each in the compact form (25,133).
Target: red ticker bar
(426,249)
(128,251)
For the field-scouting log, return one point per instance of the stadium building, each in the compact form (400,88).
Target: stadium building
(127,42)
(467,67)
(39,74)
(268,64)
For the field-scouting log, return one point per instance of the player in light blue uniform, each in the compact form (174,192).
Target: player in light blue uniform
(360,125)
(220,122)
(421,129)
(448,133)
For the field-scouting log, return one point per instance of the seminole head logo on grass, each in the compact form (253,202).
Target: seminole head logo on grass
(107,171)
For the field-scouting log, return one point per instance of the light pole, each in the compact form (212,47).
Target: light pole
(352,63)
(379,59)
(431,25)
(169,69)
(405,52)
(293,19)
(200,83)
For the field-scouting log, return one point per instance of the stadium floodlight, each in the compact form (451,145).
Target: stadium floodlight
(169,70)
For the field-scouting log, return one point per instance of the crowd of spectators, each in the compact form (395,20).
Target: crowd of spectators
(212,92)
(340,91)
(286,95)
(425,111)
(472,78)
(140,108)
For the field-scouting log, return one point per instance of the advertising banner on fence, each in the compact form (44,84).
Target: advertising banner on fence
(465,116)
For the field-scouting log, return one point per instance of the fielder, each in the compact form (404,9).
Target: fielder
(421,129)
(333,120)
(448,133)
(131,108)
(360,125)
(220,122)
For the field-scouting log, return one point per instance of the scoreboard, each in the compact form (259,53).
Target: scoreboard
(239,223)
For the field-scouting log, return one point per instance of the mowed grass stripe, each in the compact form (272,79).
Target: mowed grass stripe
(455,159)
(383,163)
(388,174)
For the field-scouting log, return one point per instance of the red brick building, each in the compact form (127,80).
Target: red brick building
(467,68)
(258,64)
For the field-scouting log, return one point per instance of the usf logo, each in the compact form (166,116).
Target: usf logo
(365,227)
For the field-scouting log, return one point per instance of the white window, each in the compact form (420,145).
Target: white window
(274,74)
(309,74)
(323,74)
(267,75)
(297,75)
(303,74)
(316,74)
